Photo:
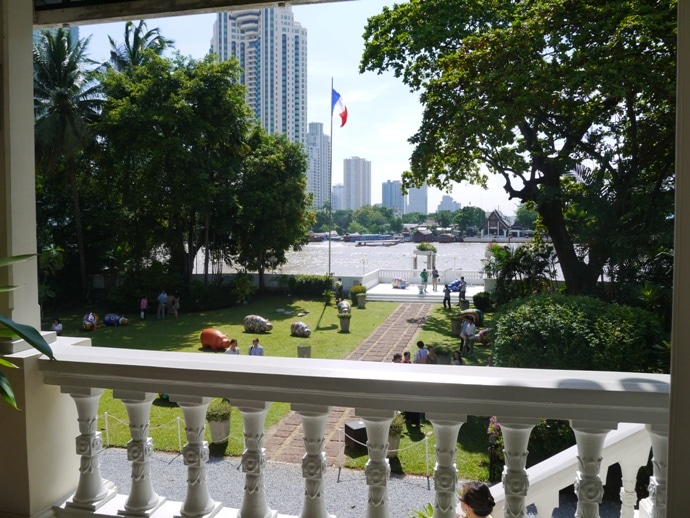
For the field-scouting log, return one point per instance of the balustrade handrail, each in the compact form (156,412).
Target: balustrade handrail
(609,397)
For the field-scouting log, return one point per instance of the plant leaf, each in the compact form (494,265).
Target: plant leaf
(29,334)
(6,392)
(6,261)
(7,364)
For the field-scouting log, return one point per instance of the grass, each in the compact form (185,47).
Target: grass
(326,341)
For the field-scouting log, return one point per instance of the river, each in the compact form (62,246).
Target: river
(349,259)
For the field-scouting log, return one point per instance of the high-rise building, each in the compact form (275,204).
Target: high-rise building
(318,157)
(338,197)
(417,200)
(357,180)
(449,204)
(392,196)
(271,48)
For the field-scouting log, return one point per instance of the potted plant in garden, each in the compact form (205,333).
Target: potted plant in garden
(358,294)
(218,417)
(344,322)
(394,433)
(443,353)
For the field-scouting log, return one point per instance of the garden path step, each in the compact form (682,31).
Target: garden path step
(283,441)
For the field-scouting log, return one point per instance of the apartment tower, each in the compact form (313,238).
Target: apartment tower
(357,181)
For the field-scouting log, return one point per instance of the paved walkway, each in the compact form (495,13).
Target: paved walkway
(283,442)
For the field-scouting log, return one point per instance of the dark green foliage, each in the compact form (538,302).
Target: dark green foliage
(148,282)
(218,410)
(483,301)
(311,286)
(547,438)
(213,296)
(574,332)
(356,290)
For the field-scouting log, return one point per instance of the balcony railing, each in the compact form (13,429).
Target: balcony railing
(594,402)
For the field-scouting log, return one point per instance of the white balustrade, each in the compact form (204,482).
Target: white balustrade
(591,400)
(92,490)
(143,500)
(314,460)
(254,504)
(377,469)
(446,429)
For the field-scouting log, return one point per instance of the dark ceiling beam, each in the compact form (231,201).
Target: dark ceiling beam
(92,11)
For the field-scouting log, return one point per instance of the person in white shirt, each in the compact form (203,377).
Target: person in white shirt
(422,354)
(233,349)
(468,335)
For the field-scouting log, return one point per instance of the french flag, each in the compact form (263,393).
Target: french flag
(337,105)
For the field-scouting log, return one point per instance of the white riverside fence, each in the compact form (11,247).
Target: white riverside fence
(594,402)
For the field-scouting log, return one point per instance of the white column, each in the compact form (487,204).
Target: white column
(314,460)
(655,506)
(446,429)
(92,491)
(515,480)
(143,499)
(589,488)
(377,468)
(198,501)
(254,504)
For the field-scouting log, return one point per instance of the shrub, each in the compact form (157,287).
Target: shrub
(243,287)
(212,296)
(575,332)
(218,410)
(483,301)
(426,247)
(356,290)
(397,424)
(309,286)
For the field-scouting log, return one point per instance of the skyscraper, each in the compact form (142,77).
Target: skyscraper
(318,157)
(338,197)
(271,48)
(417,200)
(392,196)
(357,180)
(449,204)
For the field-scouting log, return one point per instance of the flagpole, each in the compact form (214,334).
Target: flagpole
(330,186)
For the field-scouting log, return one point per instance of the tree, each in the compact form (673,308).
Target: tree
(469,217)
(67,102)
(444,218)
(133,52)
(572,103)
(414,217)
(526,216)
(174,185)
(276,210)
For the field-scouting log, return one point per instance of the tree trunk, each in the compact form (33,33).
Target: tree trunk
(78,225)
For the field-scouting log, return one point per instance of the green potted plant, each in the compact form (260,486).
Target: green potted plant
(344,322)
(358,294)
(443,353)
(218,417)
(394,432)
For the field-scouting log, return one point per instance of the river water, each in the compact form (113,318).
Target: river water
(348,259)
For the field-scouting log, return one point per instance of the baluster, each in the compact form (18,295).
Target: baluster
(92,491)
(589,488)
(253,460)
(198,501)
(377,468)
(655,505)
(515,480)
(314,460)
(446,429)
(630,465)
(142,500)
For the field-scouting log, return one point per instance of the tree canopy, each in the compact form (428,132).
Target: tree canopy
(571,102)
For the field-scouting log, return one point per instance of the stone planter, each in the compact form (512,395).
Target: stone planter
(345,325)
(455,326)
(220,431)
(361,300)
(464,304)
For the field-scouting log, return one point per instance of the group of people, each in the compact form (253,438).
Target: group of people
(166,304)
(462,290)
(255,350)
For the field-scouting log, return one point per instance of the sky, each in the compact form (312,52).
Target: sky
(382,112)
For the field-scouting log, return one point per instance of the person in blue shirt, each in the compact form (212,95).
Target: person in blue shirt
(256,349)
(162,302)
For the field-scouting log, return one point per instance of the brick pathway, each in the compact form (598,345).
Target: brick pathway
(283,441)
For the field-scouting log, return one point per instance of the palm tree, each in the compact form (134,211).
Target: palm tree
(132,52)
(67,101)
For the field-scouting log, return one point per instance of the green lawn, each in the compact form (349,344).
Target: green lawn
(326,341)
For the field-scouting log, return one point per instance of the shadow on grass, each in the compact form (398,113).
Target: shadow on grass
(164,402)
(355,453)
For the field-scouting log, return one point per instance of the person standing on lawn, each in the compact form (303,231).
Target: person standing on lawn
(424,276)
(256,349)
(462,288)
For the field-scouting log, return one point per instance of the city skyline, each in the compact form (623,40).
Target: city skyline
(383,113)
